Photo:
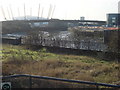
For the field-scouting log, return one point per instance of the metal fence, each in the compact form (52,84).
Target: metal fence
(32,77)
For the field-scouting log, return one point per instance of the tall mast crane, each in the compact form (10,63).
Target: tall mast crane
(53,11)
(30,11)
(3,12)
(42,12)
(18,12)
(24,12)
(11,13)
(49,12)
(8,12)
(38,11)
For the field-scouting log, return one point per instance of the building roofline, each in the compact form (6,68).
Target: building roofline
(113,13)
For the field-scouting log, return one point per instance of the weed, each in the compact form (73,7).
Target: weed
(18,60)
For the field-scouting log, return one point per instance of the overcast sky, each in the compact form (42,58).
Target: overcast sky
(65,9)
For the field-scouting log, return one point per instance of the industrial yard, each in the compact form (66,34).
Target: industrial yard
(41,49)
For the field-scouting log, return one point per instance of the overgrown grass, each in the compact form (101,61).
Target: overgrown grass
(19,60)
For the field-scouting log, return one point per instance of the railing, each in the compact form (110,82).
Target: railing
(60,79)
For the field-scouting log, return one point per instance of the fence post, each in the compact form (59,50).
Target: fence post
(30,82)
(97,87)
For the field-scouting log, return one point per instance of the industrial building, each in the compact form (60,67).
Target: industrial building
(11,40)
(113,20)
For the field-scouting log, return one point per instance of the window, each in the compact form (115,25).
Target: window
(113,21)
(113,18)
